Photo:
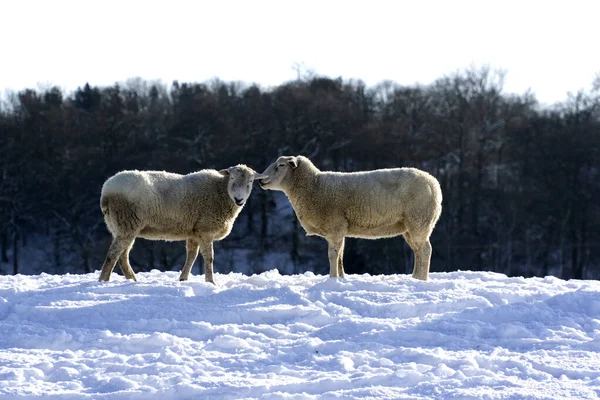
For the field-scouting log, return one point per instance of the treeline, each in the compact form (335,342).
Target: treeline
(521,183)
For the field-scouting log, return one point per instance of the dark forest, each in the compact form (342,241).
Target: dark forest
(521,181)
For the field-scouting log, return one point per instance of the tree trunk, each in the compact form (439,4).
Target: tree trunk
(164,260)
(250,221)
(294,252)
(15,253)
(576,247)
(478,264)
(56,251)
(566,273)
(528,251)
(264,223)
(582,241)
(408,259)
(86,261)
(151,257)
(509,256)
(449,228)
(4,247)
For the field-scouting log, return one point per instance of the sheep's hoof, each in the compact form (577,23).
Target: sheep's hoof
(419,277)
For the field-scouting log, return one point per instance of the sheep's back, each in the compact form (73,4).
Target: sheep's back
(376,197)
(136,185)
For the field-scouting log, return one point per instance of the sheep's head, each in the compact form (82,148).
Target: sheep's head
(240,182)
(276,172)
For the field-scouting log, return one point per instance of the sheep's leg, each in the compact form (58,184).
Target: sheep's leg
(124,263)
(425,259)
(191,255)
(340,267)
(334,253)
(422,252)
(208,255)
(117,247)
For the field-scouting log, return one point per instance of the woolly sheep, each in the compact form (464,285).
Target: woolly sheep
(199,208)
(369,204)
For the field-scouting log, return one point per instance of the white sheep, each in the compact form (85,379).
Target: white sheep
(369,204)
(199,208)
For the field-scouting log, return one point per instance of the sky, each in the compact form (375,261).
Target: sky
(548,47)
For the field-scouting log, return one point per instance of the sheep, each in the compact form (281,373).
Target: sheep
(199,208)
(369,205)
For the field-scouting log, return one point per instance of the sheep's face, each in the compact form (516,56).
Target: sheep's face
(240,182)
(276,172)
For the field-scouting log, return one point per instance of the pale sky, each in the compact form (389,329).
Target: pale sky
(550,47)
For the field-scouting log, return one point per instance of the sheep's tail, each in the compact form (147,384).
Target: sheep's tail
(433,203)
(437,198)
(104,205)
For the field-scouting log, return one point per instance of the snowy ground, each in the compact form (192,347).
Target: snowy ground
(461,335)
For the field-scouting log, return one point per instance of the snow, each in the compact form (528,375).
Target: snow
(462,335)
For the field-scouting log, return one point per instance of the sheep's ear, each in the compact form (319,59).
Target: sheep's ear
(224,172)
(293,162)
(256,175)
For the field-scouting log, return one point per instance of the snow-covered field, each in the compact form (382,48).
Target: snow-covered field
(462,335)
